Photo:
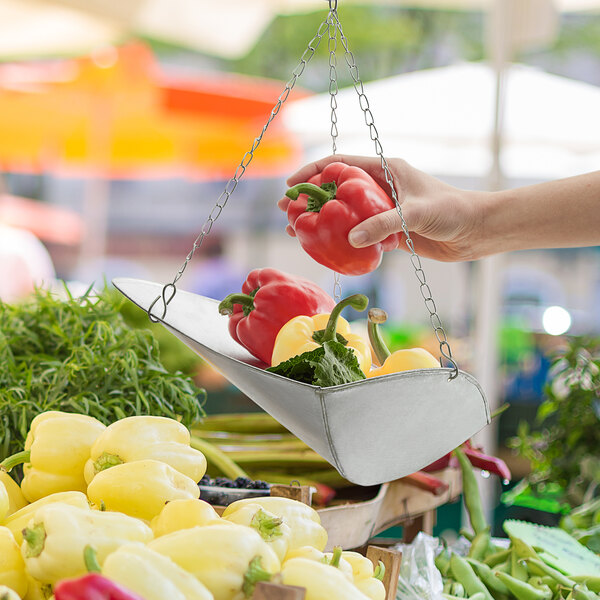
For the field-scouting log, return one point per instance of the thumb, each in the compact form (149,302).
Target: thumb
(377,228)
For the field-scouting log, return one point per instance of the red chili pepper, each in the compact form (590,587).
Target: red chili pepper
(328,206)
(269,300)
(92,587)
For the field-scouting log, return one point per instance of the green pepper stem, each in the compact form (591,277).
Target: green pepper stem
(16,459)
(106,461)
(336,556)
(268,527)
(90,558)
(35,537)
(379,572)
(356,301)
(226,305)
(377,316)
(253,575)
(317,196)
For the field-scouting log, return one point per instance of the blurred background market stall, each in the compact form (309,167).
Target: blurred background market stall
(121,122)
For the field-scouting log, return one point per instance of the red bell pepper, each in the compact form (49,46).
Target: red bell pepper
(328,206)
(269,299)
(92,587)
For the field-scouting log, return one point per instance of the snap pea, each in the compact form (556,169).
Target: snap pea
(486,575)
(480,544)
(471,494)
(469,535)
(554,573)
(477,596)
(504,567)
(498,557)
(521,589)
(463,572)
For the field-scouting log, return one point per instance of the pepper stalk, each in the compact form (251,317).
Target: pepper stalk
(318,196)
(253,575)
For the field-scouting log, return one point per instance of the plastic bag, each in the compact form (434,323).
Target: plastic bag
(419,577)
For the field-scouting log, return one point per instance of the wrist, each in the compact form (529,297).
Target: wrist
(495,223)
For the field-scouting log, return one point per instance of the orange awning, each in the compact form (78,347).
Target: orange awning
(127,118)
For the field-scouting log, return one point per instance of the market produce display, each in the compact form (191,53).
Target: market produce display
(322,211)
(79,355)
(497,572)
(139,531)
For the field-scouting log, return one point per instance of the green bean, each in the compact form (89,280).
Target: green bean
(471,493)
(554,573)
(521,589)
(517,568)
(486,575)
(581,592)
(442,561)
(523,549)
(480,544)
(457,589)
(591,581)
(463,572)
(498,557)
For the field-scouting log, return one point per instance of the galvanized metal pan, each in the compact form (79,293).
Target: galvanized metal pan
(371,431)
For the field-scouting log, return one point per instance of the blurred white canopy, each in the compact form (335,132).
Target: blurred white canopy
(440,120)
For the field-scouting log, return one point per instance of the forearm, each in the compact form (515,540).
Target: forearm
(558,214)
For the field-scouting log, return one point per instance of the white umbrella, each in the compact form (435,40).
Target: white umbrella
(441,121)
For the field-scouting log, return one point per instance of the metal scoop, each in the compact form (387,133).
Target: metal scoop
(371,431)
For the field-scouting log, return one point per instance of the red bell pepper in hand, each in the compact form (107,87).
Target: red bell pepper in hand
(269,299)
(92,587)
(328,206)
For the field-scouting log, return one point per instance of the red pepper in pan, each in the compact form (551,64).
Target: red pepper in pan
(269,299)
(324,210)
(92,587)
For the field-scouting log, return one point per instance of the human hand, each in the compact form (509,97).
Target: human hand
(444,223)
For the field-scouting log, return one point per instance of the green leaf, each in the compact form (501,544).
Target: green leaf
(330,364)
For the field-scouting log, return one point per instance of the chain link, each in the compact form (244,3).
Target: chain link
(170,289)
(333,90)
(434,318)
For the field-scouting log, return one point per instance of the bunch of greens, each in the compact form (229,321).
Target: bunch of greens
(566,450)
(78,355)
(329,364)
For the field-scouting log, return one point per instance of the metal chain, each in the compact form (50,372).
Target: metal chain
(424,288)
(333,90)
(170,289)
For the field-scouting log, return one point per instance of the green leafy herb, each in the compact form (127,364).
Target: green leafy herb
(566,450)
(78,355)
(330,364)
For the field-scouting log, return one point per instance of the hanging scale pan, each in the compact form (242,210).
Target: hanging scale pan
(371,431)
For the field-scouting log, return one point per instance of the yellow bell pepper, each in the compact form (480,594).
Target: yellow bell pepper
(141,488)
(228,559)
(7,593)
(152,575)
(270,527)
(4,502)
(55,539)
(328,558)
(401,360)
(16,500)
(365,577)
(36,590)
(303,520)
(184,514)
(18,520)
(303,334)
(56,449)
(146,437)
(12,565)
(321,581)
